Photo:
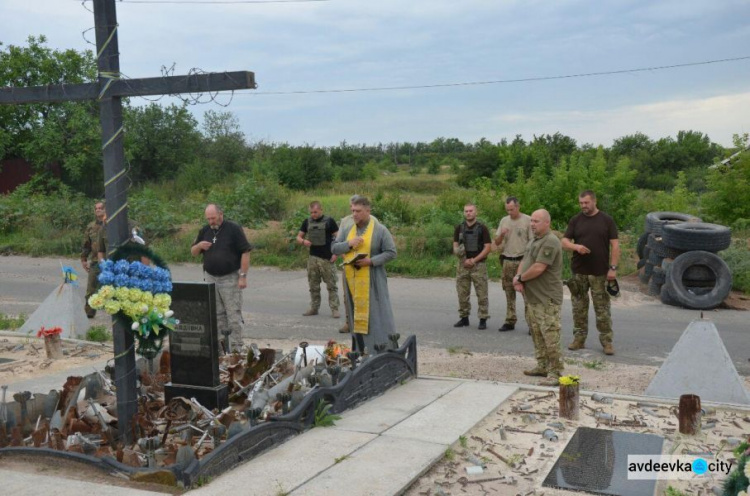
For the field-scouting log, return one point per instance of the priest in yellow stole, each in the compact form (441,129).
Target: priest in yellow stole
(366,246)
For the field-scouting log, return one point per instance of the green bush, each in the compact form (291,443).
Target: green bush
(98,334)
(250,201)
(737,258)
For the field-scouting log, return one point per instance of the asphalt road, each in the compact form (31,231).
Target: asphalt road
(645,330)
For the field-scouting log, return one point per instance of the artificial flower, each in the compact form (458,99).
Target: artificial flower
(570,380)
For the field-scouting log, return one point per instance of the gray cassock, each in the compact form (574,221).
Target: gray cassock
(382,251)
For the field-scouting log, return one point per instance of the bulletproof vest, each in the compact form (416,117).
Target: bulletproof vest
(472,237)
(316,230)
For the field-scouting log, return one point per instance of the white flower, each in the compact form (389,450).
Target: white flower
(134,326)
(144,308)
(747,469)
(742,493)
(169,313)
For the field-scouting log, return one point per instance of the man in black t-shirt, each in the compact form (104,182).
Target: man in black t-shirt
(471,244)
(592,237)
(226,260)
(317,233)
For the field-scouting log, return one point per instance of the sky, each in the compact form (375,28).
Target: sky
(356,44)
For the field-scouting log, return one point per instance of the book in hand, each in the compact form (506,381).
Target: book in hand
(358,256)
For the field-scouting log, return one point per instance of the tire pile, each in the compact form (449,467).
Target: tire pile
(678,261)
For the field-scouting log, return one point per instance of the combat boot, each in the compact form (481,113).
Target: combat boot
(608,349)
(552,380)
(462,322)
(335,314)
(310,312)
(577,344)
(536,372)
(482,324)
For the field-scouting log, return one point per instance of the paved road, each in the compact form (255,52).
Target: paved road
(645,330)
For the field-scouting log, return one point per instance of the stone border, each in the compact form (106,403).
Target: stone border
(372,378)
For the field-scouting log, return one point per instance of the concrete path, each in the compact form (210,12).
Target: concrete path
(378,448)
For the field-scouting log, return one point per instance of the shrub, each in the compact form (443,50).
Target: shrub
(250,201)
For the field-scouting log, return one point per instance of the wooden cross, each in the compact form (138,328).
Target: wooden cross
(109,90)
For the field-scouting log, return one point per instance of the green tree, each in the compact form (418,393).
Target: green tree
(44,133)
(159,141)
(224,148)
(728,198)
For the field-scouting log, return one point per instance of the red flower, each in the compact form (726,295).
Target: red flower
(48,332)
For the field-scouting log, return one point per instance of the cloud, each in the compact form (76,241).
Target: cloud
(719,117)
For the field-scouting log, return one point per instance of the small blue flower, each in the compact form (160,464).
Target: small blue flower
(135,268)
(106,266)
(147,285)
(106,278)
(121,267)
(168,287)
(121,280)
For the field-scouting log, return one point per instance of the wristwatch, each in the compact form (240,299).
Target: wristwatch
(518,278)
(613,267)
(243,274)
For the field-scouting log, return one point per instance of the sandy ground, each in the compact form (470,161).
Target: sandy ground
(532,454)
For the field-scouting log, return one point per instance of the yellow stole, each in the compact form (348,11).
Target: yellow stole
(358,280)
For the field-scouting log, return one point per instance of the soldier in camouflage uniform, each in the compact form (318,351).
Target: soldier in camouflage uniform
(513,233)
(89,254)
(320,231)
(540,279)
(592,237)
(471,244)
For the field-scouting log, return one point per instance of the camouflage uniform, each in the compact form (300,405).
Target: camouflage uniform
(544,296)
(579,286)
(509,272)
(228,306)
(464,278)
(544,322)
(319,269)
(89,251)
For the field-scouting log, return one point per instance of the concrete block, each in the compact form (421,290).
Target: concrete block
(699,364)
(453,414)
(382,413)
(384,466)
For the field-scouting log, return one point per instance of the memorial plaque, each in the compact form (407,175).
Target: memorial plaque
(596,461)
(194,346)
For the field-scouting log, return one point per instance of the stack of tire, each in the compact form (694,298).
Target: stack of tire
(678,260)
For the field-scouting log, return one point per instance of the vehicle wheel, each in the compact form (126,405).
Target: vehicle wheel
(655,259)
(699,298)
(640,247)
(656,220)
(643,276)
(659,276)
(654,287)
(657,245)
(690,236)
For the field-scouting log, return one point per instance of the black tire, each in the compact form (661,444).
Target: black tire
(690,236)
(648,269)
(640,247)
(658,276)
(696,276)
(655,259)
(699,298)
(654,287)
(666,296)
(657,245)
(640,263)
(642,276)
(656,220)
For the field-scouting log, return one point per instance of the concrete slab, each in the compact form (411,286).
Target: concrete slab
(384,466)
(23,483)
(453,414)
(699,364)
(44,384)
(290,465)
(382,413)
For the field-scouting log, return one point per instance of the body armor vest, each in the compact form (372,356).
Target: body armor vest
(316,230)
(471,237)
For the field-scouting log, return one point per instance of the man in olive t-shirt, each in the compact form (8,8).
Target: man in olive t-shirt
(592,237)
(540,279)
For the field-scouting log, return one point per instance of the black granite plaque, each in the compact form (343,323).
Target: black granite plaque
(596,461)
(194,346)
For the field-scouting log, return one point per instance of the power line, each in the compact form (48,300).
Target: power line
(499,81)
